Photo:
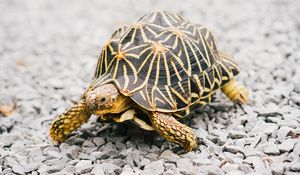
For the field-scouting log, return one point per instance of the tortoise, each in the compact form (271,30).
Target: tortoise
(162,66)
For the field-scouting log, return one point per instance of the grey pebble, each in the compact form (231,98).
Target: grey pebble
(110,167)
(283,131)
(266,128)
(246,168)
(144,162)
(53,154)
(56,83)
(127,170)
(88,144)
(235,172)
(156,167)
(296,149)
(287,145)
(169,155)
(97,170)
(185,166)
(228,167)
(257,163)
(271,149)
(170,172)
(249,151)
(236,134)
(16,167)
(54,168)
(99,141)
(202,161)
(295,166)
(277,168)
(233,149)
(72,151)
(84,166)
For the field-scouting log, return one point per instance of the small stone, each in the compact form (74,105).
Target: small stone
(169,172)
(185,165)
(251,152)
(235,172)
(272,149)
(277,168)
(257,163)
(110,167)
(297,149)
(127,170)
(8,171)
(202,161)
(152,156)
(283,131)
(269,128)
(232,149)
(84,166)
(16,167)
(169,166)
(56,83)
(287,145)
(54,154)
(245,168)
(73,152)
(88,144)
(209,169)
(236,134)
(295,166)
(156,167)
(99,141)
(201,133)
(230,167)
(75,141)
(54,168)
(270,109)
(169,155)
(288,122)
(144,162)
(97,170)
(255,173)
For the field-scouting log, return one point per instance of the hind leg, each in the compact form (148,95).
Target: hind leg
(235,92)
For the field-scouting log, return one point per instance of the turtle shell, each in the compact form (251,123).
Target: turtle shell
(164,63)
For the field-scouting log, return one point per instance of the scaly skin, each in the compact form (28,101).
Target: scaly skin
(69,121)
(235,92)
(173,131)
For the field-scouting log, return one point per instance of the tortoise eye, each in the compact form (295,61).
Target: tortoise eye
(102,99)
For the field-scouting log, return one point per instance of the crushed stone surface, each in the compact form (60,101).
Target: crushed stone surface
(48,53)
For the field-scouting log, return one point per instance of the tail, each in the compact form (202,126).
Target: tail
(69,121)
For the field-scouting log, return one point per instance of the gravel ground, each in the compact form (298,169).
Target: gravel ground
(48,52)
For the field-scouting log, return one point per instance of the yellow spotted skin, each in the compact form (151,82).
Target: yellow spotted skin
(174,131)
(236,92)
(69,121)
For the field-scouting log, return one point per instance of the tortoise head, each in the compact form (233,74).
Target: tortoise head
(106,99)
(98,100)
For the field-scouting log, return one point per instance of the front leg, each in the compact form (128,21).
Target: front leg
(69,121)
(174,131)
